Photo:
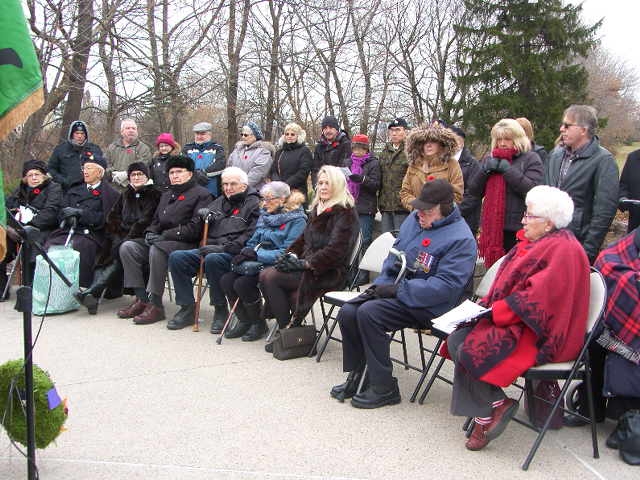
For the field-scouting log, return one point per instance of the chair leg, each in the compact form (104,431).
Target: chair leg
(425,369)
(404,350)
(592,412)
(431,380)
(325,327)
(326,341)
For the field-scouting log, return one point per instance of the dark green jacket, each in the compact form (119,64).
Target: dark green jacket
(393,166)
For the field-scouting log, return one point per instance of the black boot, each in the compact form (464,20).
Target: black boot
(183,318)
(91,296)
(349,388)
(258,324)
(243,324)
(219,318)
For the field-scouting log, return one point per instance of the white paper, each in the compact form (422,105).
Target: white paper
(464,312)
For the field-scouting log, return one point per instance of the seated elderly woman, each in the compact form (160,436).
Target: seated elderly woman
(531,322)
(85,206)
(317,261)
(281,221)
(615,357)
(35,202)
(175,226)
(127,220)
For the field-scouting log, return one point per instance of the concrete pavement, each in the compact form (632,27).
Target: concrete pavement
(146,402)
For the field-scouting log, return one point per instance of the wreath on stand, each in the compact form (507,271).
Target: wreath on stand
(50,411)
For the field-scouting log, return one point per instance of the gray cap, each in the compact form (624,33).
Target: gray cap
(202,127)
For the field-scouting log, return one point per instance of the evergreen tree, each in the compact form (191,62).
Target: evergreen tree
(524,53)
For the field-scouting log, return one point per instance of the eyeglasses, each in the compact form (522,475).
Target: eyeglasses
(527,217)
(269,199)
(137,174)
(88,169)
(566,125)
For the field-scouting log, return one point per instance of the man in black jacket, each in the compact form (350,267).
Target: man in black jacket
(470,206)
(630,189)
(333,148)
(232,220)
(588,173)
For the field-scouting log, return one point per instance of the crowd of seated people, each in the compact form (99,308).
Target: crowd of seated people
(267,250)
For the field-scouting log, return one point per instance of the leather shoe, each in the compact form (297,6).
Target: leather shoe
(478,438)
(238,330)
(501,417)
(133,310)
(91,303)
(220,315)
(374,397)
(256,332)
(151,314)
(613,440)
(349,388)
(183,318)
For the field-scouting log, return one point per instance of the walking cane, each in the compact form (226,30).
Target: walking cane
(226,324)
(203,242)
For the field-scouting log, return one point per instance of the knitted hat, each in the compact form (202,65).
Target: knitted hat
(202,127)
(255,129)
(330,121)
(430,133)
(434,192)
(93,157)
(138,167)
(360,139)
(180,161)
(166,138)
(398,122)
(34,165)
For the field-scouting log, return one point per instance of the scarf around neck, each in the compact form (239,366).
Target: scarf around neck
(356,168)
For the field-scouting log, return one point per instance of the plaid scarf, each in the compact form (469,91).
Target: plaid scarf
(620,266)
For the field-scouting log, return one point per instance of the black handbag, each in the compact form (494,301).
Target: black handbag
(294,342)
(248,267)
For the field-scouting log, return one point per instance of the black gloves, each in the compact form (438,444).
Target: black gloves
(71,212)
(245,254)
(503,166)
(289,262)
(356,177)
(204,212)
(386,291)
(490,165)
(207,249)
(150,238)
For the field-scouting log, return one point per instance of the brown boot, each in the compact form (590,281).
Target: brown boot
(136,308)
(151,314)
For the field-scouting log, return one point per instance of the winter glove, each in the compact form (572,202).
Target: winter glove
(150,238)
(386,291)
(207,249)
(291,263)
(121,178)
(503,166)
(71,212)
(249,253)
(490,165)
(356,178)
(203,213)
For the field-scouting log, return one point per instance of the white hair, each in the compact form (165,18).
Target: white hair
(127,120)
(237,172)
(550,203)
(276,188)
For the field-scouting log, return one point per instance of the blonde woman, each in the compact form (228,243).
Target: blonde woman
(431,150)
(292,163)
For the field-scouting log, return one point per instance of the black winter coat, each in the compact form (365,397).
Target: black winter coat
(66,160)
(176,217)
(630,187)
(326,243)
(470,206)
(526,172)
(158,171)
(330,153)
(367,201)
(133,212)
(292,165)
(233,220)
(592,184)
(44,200)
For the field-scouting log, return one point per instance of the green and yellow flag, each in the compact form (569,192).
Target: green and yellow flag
(20,83)
(20,74)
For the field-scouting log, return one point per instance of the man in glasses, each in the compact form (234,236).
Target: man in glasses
(580,166)
(208,157)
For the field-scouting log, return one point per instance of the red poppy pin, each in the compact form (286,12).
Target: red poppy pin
(282,227)
(36,191)
(327,209)
(180,197)
(200,156)
(430,178)
(95,192)
(334,144)
(236,211)
(129,150)
(426,242)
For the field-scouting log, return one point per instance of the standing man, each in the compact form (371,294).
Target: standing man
(66,160)
(393,166)
(588,173)
(470,206)
(208,157)
(333,148)
(123,152)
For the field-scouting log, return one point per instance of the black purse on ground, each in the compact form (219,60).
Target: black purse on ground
(294,342)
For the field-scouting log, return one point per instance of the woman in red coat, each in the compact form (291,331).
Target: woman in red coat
(539,301)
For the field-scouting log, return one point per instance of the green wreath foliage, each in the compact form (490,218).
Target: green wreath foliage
(48,423)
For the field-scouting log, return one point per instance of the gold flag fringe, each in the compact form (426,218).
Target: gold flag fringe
(20,113)
(3,243)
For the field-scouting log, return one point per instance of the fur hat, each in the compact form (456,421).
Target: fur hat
(330,121)
(34,165)
(180,161)
(166,138)
(93,157)
(430,133)
(138,167)
(255,129)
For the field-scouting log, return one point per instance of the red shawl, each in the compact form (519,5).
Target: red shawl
(540,301)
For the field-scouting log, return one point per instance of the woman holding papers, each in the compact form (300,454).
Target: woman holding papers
(531,323)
